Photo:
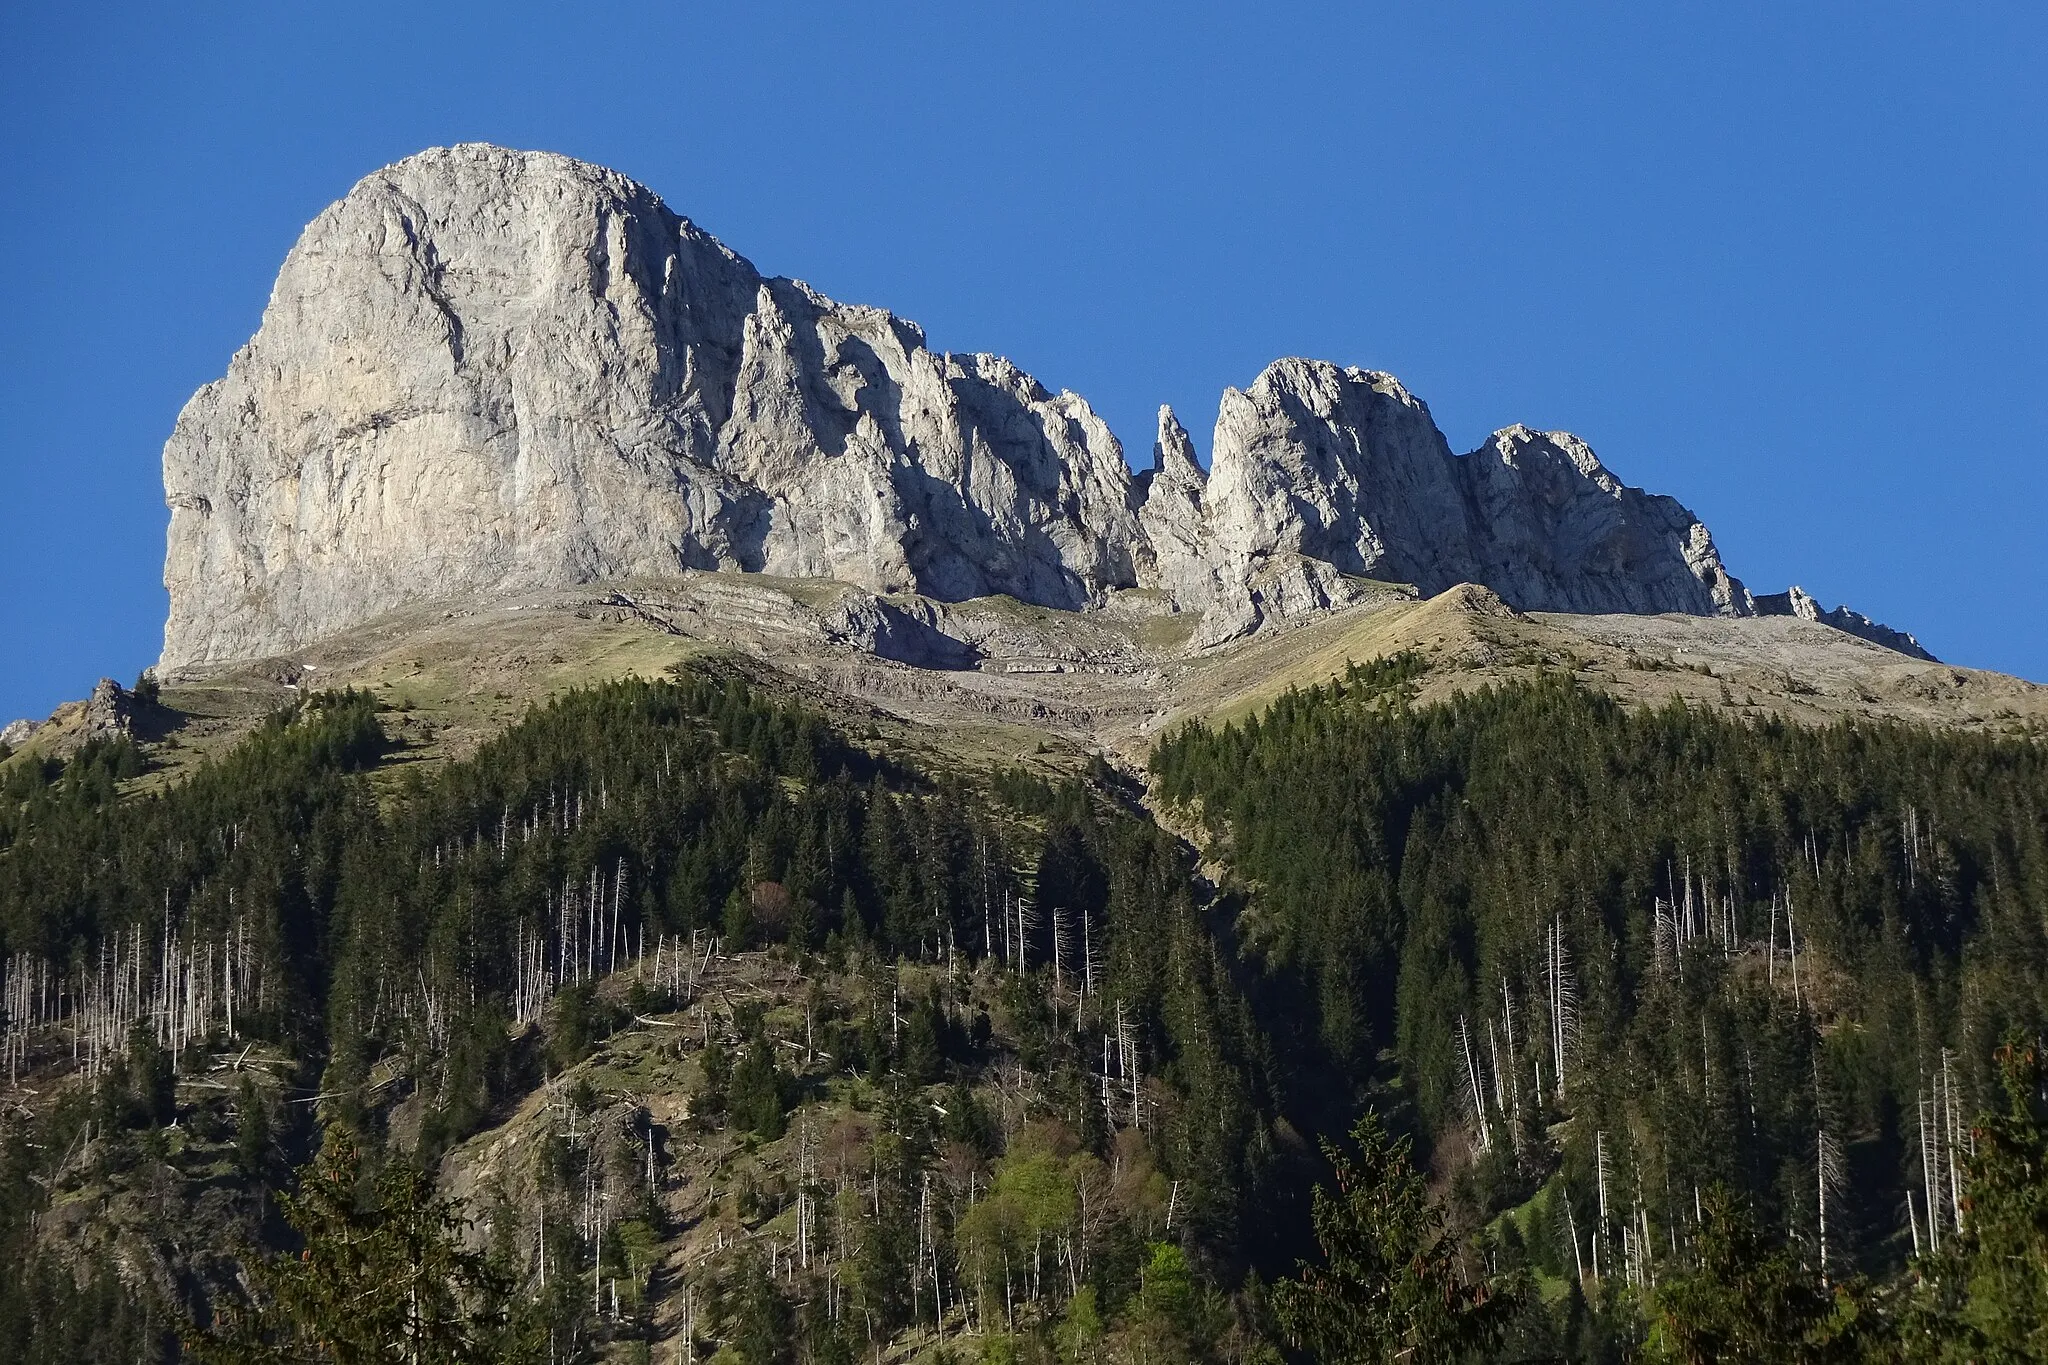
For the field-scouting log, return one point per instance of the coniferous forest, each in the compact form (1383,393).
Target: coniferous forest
(678,1022)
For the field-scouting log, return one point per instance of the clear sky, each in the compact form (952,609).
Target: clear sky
(1783,261)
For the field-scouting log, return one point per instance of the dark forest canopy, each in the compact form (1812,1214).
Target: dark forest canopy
(1613,972)
(1629,956)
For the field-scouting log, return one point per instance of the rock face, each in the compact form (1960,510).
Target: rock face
(1796,601)
(486,370)
(109,712)
(1318,468)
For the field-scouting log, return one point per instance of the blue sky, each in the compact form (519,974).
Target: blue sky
(1784,262)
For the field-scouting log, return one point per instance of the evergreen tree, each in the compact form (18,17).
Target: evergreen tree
(1984,1297)
(760,1327)
(1748,1300)
(756,1095)
(252,1129)
(382,1278)
(1390,1287)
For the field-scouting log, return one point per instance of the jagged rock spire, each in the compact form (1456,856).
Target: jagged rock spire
(1173,454)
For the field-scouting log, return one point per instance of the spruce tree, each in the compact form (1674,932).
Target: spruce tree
(1390,1287)
(382,1279)
(1747,1300)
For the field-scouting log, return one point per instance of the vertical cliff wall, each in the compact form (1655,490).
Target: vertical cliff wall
(485,370)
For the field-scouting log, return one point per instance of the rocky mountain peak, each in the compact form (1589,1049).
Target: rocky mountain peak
(1173,453)
(486,370)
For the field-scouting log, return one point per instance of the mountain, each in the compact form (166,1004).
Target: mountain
(486,371)
(677,823)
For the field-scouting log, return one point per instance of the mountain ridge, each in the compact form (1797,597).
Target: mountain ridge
(484,371)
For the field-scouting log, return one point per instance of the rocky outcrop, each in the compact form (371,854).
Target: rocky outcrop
(109,713)
(1319,469)
(486,371)
(1555,531)
(1796,601)
(909,633)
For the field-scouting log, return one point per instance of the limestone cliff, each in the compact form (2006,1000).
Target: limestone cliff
(1317,468)
(1796,601)
(486,370)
